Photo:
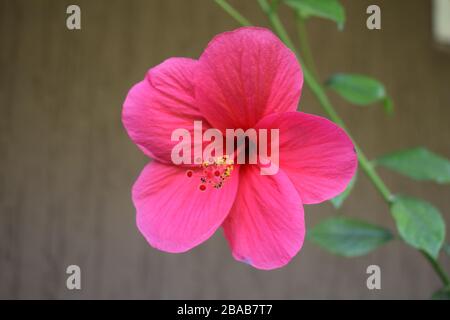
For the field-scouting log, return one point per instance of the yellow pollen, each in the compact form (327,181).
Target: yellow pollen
(216,171)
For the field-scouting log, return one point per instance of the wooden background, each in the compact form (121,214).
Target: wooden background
(67,166)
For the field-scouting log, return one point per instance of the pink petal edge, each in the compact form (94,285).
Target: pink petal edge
(316,154)
(159,104)
(172,213)
(265,227)
(244,75)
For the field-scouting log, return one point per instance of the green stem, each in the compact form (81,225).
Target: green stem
(365,164)
(276,23)
(303,39)
(438,268)
(322,97)
(320,94)
(233,12)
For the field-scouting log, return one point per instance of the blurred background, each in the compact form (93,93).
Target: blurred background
(67,165)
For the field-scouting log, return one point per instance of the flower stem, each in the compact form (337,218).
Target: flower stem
(233,12)
(276,23)
(320,94)
(319,91)
(303,39)
(438,268)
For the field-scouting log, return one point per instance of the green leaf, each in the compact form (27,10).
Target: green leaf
(339,200)
(419,224)
(443,294)
(328,9)
(419,164)
(360,90)
(388,105)
(348,237)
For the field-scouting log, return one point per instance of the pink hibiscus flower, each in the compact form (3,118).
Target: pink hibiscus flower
(246,78)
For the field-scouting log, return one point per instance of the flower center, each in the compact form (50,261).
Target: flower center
(214,172)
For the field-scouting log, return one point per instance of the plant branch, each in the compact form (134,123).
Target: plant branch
(276,23)
(233,12)
(320,94)
(438,268)
(304,43)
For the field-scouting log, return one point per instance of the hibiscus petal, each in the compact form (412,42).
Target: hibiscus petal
(173,214)
(316,154)
(265,227)
(161,103)
(244,75)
